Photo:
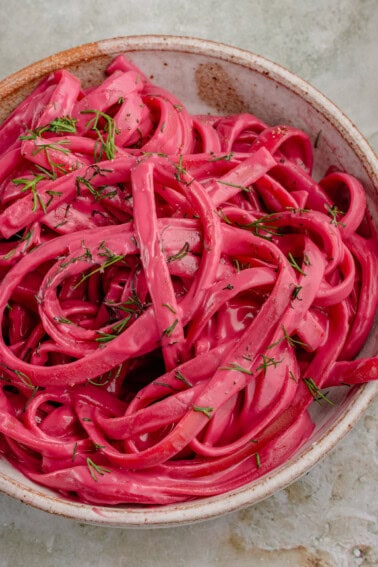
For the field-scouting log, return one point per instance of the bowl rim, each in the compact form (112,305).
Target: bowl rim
(199,510)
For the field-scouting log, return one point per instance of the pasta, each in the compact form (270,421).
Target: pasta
(176,291)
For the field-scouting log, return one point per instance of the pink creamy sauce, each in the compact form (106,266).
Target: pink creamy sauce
(176,291)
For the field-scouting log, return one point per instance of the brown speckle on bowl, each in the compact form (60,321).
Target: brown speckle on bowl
(217,90)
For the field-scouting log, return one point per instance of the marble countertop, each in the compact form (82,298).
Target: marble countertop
(329,517)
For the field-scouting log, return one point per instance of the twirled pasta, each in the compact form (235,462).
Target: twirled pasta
(176,290)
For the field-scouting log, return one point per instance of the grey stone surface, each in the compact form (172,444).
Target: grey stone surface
(329,517)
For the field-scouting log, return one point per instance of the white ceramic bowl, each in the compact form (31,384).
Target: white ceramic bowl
(213,77)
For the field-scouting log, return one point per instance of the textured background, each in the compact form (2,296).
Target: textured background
(328,518)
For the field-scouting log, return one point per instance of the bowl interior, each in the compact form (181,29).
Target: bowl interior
(213,78)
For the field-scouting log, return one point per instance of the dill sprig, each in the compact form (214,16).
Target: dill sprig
(95,469)
(105,337)
(107,144)
(133,305)
(98,192)
(227,157)
(58,147)
(205,410)
(116,329)
(104,379)
(120,326)
(290,340)
(242,187)
(260,227)
(25,379)
(239,266)
(85,257)
(63,125)
(111,260)
(334,212)
(168,306)
(180,254)
(295,265)
(292,376)
(180,170)
(222,215)
(31,185)
(297,210)
(258,460)
(25,238)
(64,320)
(179,376)
(60,125)
(237,368)
(169,330)
(267,361)
(74,451)
(296,292)
(316,393)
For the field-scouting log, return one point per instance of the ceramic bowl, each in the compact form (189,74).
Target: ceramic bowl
(211,77)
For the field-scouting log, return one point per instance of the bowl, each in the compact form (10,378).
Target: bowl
(212,77)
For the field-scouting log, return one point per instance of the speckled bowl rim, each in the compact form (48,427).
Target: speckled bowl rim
(206,508)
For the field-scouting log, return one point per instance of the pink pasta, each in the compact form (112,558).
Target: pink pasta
(176,291)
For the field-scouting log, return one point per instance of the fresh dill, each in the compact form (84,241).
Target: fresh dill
(294,264)
(227,157)
(316,393)
(334,212)
(95,469)
(180,254)
(180,170)
(169,307)
(60,125)
(205,410)
(267,362)
(169,330)
(107,143)
(179,376)
(237,368)
(31,185)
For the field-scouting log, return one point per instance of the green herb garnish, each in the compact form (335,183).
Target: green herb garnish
(258,460)
(107,144)
(205,410)
(290,340)
(316,393)
(296,291)
(31,185)
(96,469)
(237,368)
(112,259)
(295,265)
(180,254)
(61,125)
(74,452)
(179,376)
(169,307)
(227,157)
(292,376)
(242,187)
(169,330)
(180,170)
(63,320)
(334,212)
(267,361)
